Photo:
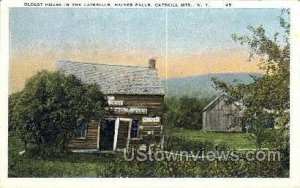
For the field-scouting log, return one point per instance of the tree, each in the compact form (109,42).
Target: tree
(265,101)
(51,107)
(190,116)
(12,100)
(185,112)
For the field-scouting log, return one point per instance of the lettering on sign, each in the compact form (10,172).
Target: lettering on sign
(115,103)
(151,120)
(123,110)
(110,98)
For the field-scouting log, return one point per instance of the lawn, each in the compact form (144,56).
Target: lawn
(69,165)
(114,165)
(232,140)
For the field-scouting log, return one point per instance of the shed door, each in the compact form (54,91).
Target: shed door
(123,136)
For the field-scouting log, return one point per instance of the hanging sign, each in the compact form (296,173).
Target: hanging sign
(151,119)
(123,110)
(110,98)
(115,103)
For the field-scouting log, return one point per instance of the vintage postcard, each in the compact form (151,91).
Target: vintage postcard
(172,93)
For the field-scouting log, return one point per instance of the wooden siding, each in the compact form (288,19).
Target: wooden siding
(220,116)
(153,103)
(154,106)
(90,142)
(122,134)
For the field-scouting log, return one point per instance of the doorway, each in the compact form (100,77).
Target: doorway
(107,133)
(114,134)
(123,135)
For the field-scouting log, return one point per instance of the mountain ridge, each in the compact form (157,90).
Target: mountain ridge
(201,86)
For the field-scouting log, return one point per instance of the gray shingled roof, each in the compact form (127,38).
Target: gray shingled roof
(115,79)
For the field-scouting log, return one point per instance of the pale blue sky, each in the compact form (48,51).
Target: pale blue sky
(58,27)
(198,40)
(189,30)
(208,29)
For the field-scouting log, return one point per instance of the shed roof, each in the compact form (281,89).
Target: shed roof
(213,102)
(115,79)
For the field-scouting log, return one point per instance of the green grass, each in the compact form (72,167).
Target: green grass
(232,140)
(70,165)
(114,165)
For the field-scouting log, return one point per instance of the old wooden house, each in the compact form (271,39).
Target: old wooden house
(135,102)
(220,115)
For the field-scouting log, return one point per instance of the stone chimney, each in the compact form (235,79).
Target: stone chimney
(152,62)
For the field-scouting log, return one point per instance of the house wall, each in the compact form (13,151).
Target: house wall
(220,116)
(153,103)
(90,142)
(154,106)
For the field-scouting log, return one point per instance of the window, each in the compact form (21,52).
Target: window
(81,130)
(134,128)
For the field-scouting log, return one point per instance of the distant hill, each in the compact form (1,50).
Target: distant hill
(201,86)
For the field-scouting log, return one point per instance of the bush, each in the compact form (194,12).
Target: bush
(12,101)
(181,144)
(50,108)
(114,165)
(185,112)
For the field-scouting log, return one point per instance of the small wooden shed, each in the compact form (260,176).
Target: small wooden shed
(135,104)
(219,115)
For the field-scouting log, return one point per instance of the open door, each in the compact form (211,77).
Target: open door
(114,134)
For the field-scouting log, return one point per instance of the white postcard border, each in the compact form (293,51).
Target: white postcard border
(293,181)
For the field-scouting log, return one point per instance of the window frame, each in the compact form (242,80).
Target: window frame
(85,133)
(135,129)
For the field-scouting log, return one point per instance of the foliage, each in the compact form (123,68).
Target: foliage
(12,101)
(242,168)
(171,109)
(113,165)
(182,144)
(233,140)
(265,102)
(50,108)
(185,112)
